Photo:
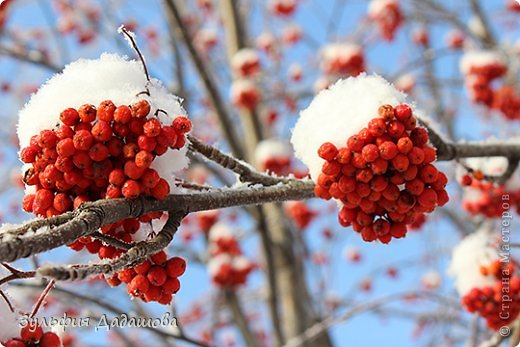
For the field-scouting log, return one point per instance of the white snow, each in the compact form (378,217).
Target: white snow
(377,7)
(272,148)
(473,251)
(8,320)
(431,279)
(220,231)
(216,262)
(339,51)
(245,56)
(339,112)
(111,77)
(479,58)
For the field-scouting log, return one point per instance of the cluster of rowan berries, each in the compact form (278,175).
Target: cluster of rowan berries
(479,82)
(32,335)
(206,219)
(98,153)
(156,279)
(245,94)
(283,8)
(300,213)
(499,304)
(489,198)
(228,267)
(388,16)
(342,59)
(68,22)
(383,175)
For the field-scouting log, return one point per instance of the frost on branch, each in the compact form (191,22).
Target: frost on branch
(482,277)
(360,140)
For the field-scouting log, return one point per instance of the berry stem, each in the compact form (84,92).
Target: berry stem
(6,299)
(42,297)
(131,38)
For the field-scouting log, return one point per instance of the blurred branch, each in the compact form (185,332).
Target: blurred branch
(32,56)
(225,119)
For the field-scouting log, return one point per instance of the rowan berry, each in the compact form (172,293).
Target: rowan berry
(69,116)
(98,152)
(156,275)
(28,154)
(354,143)
(47,139)
(428,198)
(388,150)
(102,131)
(343,156)
(131,189)
(81,159)
(141,109)
(143,159)
(386,112)
(159,258)
(181,125)
(172,285)
(377,127)
(142,268)
(139,285)
(150,178)
(400,162)
(136,126)
(62,202)
(105,111)
(161,189)
(429,173)
(370,152)
(419,137)
(31,333)
(122,114)
(328,151)
(152,128)
(404,145)
(146,143)
(403,112)
(395,129)
(416,156)
(87,113)
(83,140)
(50,339)
(133,171)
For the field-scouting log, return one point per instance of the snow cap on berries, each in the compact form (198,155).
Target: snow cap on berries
(339,112)
(377,7)
(473,251)
(86,81)
(478,59)
(272,148)
(221,231)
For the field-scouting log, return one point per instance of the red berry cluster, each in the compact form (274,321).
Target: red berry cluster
(96,154)
(32,335)
(206,219)
(388,19)
(342,60)
(383,176)
(504,99)
(283,8)
(490,200)
(278,165)
(156,279)
(499,305)
(300,213)
(227,266)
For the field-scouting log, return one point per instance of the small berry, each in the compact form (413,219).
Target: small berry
(181,125)
(69,117)
(327,151)
(131,189)
(156,275)
(176,266)
(87,113)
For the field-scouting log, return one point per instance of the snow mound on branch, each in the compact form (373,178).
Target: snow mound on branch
(339,112)
(272,148)
(473,251)
(86,81)
(478,59)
